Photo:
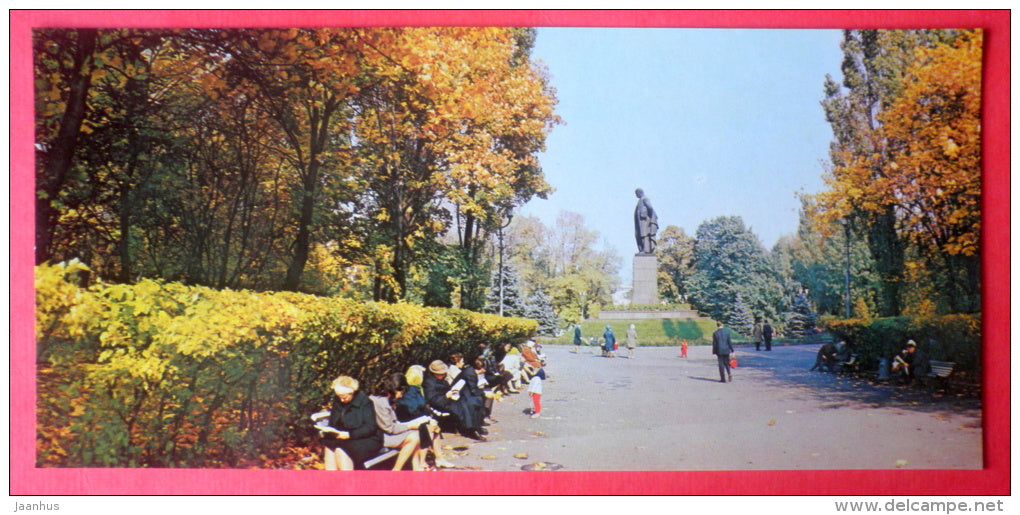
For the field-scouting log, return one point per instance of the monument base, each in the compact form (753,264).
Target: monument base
(630,314)
(646,287)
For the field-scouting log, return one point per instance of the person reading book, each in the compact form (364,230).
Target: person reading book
(414,437)
(442,396)
(352,436)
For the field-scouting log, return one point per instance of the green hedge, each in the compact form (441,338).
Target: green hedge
(954,338)
(163,374)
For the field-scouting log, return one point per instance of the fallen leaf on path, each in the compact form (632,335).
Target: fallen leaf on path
(521,455)
(489,457)
(772,422)
(901,463)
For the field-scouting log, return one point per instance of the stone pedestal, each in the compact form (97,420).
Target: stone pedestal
(646,291)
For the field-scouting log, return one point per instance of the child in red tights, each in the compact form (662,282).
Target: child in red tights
(535,389)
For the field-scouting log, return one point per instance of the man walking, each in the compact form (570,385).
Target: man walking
(756,334)
(766,331)
(722,348)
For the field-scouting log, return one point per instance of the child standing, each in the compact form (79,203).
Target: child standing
(535,389)
(683,349)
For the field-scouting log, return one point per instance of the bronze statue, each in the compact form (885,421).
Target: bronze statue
(646,224)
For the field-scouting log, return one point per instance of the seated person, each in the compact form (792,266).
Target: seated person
(401,435)
(495,378)
(359,438)
(514,365)
(911,363)
(454,366)
(440,395)
(826,358)
(532,362)
(478,399)
(844,351)
(411,404)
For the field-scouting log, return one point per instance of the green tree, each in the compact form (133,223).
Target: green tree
(728,260)
(740,317)
(564,262)
(675,251)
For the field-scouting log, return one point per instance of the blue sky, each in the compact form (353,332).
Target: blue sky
(709,122)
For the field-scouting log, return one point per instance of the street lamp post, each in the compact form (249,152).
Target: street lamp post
(846,268)
(509,217)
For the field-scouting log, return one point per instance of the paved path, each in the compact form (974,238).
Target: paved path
(661,412)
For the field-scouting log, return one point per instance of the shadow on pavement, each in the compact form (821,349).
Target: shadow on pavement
(789,366)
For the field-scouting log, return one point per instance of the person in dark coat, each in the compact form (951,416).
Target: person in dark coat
(577,338)
(766,332)
(439,395)
(474,393)
(352,413)
(610,344)
(722,348)
(411,404)
(826,358)
(912,362)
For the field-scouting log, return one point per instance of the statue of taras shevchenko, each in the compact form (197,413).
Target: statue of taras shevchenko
(646,224)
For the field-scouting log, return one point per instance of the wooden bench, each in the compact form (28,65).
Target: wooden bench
(321,419)
(940,371)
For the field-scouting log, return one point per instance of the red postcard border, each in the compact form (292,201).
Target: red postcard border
(993,479)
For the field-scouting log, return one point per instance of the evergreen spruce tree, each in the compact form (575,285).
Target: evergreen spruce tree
(741,319)
(514,303)
(539,308)
(802,319)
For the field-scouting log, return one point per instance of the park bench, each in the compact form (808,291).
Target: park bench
(940,371)
(321,420)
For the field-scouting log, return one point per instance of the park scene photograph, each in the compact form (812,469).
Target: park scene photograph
(487,250)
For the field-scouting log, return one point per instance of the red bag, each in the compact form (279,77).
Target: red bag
(616,346)
(733,362)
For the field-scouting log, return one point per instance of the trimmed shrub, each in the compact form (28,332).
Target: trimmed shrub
(168,375)
(955,338)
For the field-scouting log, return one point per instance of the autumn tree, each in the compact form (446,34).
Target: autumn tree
(934,130)
(449,131)
(565,262)
(64,63)
(897,172)
(874,65)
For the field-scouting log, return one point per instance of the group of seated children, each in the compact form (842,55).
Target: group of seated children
(402,410)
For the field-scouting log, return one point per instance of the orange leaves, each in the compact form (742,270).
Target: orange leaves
(924,155)
(935,127)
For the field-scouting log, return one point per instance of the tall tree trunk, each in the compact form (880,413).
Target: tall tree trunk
(302,242)
(61,149)
(888,253)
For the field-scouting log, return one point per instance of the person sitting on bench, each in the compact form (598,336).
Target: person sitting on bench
(911,363)
(826,358)
(445,397)
(397,434)
(353,437)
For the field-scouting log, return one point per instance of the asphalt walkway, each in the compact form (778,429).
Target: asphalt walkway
(662,412)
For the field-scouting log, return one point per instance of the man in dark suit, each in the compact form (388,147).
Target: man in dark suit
(722,348)
(766,332)
(439,395)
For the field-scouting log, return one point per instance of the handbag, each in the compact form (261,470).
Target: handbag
(733,362)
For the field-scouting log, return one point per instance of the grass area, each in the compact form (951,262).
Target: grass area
(651,332)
